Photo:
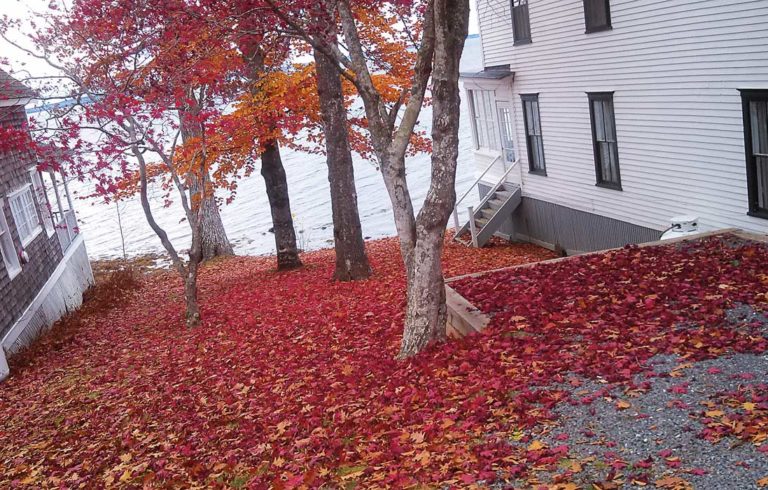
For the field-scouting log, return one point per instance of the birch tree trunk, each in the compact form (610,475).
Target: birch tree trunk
(426,313)
(351,260)
(280,205)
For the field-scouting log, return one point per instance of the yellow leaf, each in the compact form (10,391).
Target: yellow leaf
(278,462)
(126,458)
(125,476)
(417,437)
(536,446)
(423,457)
(748,406)
(282,426)
(714,413)
(623,404)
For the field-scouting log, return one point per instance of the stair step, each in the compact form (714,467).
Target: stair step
(481,222)
(488,212)
(495,203)
(503,195)
(464,242)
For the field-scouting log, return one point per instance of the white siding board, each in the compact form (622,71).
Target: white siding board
(675,67)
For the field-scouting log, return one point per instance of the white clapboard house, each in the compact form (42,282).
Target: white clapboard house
(596,121)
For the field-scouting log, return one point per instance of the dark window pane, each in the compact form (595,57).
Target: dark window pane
(762,182)
(604,139)
(759,123)
(521,26)
(539,160)
(597,15)
(533,139)
(597,106)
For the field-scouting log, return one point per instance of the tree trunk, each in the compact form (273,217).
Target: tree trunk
(190,285)
(351,260)
(188,273)
(277,191)
(426,313)
(214,241)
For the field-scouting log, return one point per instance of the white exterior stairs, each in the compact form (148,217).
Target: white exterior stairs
(484,220)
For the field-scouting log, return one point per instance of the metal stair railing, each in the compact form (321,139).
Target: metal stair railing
(488,195)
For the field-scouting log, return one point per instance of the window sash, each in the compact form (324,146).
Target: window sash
(604,140)
(42,200)
(521,22)
(533,137)
(24,215)
(7,249)
(484,122)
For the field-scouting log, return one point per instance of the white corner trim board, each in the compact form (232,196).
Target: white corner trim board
(4,369)
(49,300)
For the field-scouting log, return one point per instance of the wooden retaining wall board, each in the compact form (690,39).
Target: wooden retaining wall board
(464,318)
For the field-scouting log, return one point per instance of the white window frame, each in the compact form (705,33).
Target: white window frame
(8,252)
(485,127)
(42,201)
(25,214)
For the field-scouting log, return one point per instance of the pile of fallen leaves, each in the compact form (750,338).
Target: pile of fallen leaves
(291,382)
(113,283)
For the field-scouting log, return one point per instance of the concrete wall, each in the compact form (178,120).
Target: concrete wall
(560,227)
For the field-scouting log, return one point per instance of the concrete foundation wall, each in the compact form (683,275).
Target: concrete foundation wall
(556,226)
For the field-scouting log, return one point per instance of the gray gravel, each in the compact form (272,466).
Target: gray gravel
(657,420)
(657,436)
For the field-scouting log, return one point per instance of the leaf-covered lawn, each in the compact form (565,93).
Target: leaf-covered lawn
(292,380)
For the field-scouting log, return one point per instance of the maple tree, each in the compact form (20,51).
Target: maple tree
(121,92)
(443,27)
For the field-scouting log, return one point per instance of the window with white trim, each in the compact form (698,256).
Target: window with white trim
(25,215)
(481,105)
(42,201)
(7,249)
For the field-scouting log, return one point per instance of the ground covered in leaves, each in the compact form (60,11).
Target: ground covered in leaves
(291,381)
(639,367)
(615,370)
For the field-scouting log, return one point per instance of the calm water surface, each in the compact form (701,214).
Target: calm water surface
(247,220)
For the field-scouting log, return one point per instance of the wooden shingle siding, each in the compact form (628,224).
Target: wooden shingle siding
(675,67)
(44,252)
